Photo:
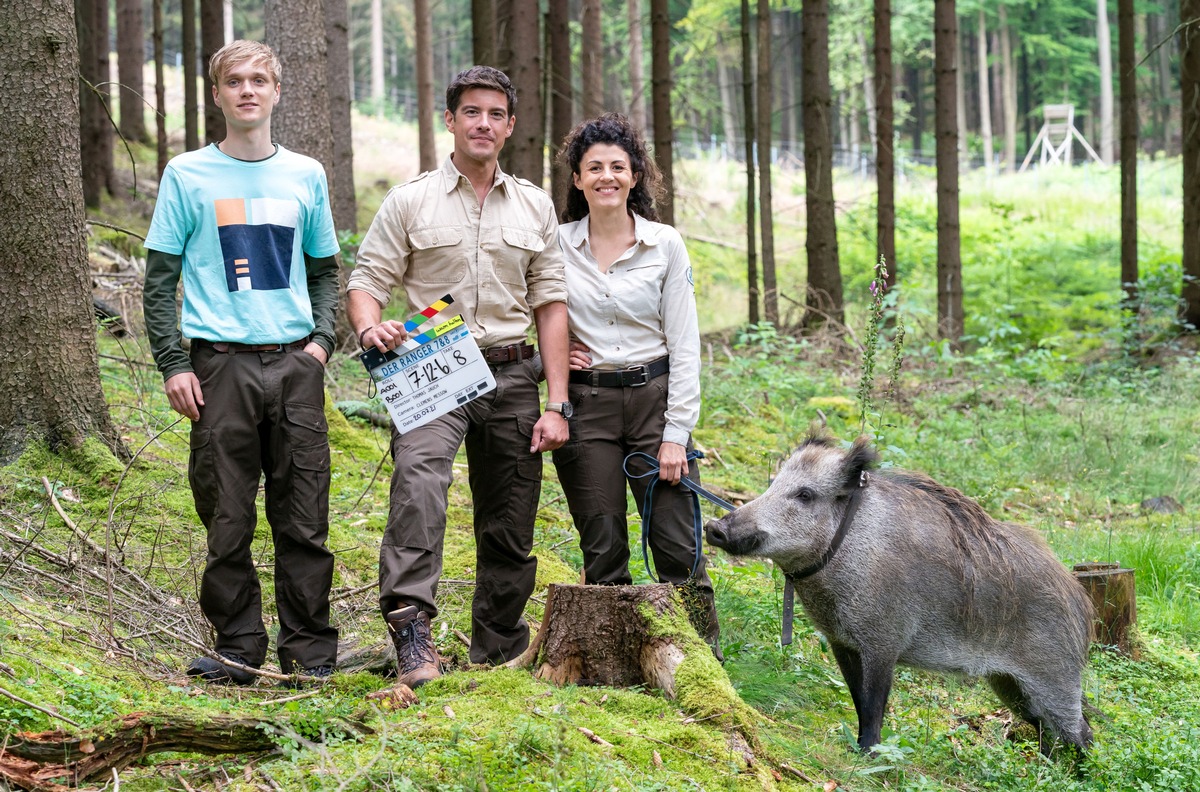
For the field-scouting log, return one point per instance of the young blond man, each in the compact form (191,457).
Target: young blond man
(491,241)
(246,225)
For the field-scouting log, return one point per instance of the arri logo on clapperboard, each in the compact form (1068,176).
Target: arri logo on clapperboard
(429,374)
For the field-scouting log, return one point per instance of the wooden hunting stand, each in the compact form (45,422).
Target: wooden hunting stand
(1056,137)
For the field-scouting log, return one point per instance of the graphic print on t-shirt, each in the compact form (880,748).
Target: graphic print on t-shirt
(256,241)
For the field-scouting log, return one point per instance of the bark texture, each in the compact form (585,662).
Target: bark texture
(949,257)
(1126,46)
(620,647)
(427,148)
(131,38)
(519,46)
(660,80)
(885,156)
(39,761)
(342,198)
(1104,49)
(160,90)
(823,300)
(295,29)
(637,87)
(562,99)
(985,95)
(95,129)
(212,38)
(483,31)
(191,102)
(751,193)
(765,215)
(50,377)
(1114,597)
(1189,79)
(591,60)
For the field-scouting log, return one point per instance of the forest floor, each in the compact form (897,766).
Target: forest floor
(1058,415)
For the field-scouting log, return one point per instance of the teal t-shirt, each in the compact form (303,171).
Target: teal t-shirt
(242,229)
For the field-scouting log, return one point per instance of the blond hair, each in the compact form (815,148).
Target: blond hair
(242,51)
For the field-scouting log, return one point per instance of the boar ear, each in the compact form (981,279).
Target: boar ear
(860,458)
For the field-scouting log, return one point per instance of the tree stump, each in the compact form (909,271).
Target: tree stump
(1112,592)
(621,636)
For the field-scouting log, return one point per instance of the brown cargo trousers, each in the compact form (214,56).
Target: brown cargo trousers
(608,425)
(506,482)
(263,414)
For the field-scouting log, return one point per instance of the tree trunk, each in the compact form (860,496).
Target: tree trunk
(50,376)
(1189,83)
(1008,92)
(637,83)
(660,78)
(623,645)
(212,38)
(787,79)
(423,24)
(296,31)
(1126,46)
(95,129)
(36,761)
(727,79)
(342,199)
(191,103)
(228,18)
(591,61)
(562,99)
(160,89)
(1104,47)
(824,297)
(864,53)
(949,261)
(985,95)
(1114,598)
(131,59)
(751,193)
(885,176)
(918,102)
(483,31)
(1165,82)
(519,49)
(960,98)
(766,217)
(378,97)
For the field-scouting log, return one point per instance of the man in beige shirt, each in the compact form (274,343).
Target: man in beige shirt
(491,241)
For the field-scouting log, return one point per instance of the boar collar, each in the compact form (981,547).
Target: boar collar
(791,578)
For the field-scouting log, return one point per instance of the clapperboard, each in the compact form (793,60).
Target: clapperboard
(429,374)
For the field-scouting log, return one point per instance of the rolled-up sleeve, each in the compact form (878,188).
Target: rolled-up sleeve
(383,255)
(544,278)
(682,331)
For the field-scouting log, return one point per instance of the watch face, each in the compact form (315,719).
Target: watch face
(568,409)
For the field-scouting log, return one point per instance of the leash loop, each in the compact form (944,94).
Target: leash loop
(694,489)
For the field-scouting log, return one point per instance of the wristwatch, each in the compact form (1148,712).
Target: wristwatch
(566,408)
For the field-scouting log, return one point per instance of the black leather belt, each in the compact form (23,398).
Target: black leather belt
(232,348)
(632,377)
(513,353)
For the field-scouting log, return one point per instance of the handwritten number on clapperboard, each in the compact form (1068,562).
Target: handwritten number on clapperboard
(459,358)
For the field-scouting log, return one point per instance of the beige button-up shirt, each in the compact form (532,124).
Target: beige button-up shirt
(430,238)
(643,308)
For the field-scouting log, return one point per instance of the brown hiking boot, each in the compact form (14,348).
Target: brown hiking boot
(416,659)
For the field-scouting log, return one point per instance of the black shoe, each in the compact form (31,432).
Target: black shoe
(320,674)
(211,670)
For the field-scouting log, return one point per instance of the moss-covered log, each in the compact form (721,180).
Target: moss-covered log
(57,760)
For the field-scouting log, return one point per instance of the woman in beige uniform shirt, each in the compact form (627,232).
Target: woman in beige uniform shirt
(635,363)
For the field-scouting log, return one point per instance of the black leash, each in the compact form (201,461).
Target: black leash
(694,489)
(789,579)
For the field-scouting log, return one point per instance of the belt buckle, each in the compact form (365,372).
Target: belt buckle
(642,370)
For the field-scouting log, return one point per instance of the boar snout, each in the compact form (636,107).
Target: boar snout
(726,534)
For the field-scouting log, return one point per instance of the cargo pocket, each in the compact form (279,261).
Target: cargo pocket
(201,475)
(310,482)
(306,424)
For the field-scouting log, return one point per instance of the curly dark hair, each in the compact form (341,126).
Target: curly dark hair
(614,129)
(480,77)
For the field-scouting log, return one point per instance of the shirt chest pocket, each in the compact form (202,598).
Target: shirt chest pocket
(512,252)
(437,255)
(640,286)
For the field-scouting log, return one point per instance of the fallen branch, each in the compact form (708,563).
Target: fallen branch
(44,761)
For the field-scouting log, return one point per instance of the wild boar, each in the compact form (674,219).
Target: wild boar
(920,575)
